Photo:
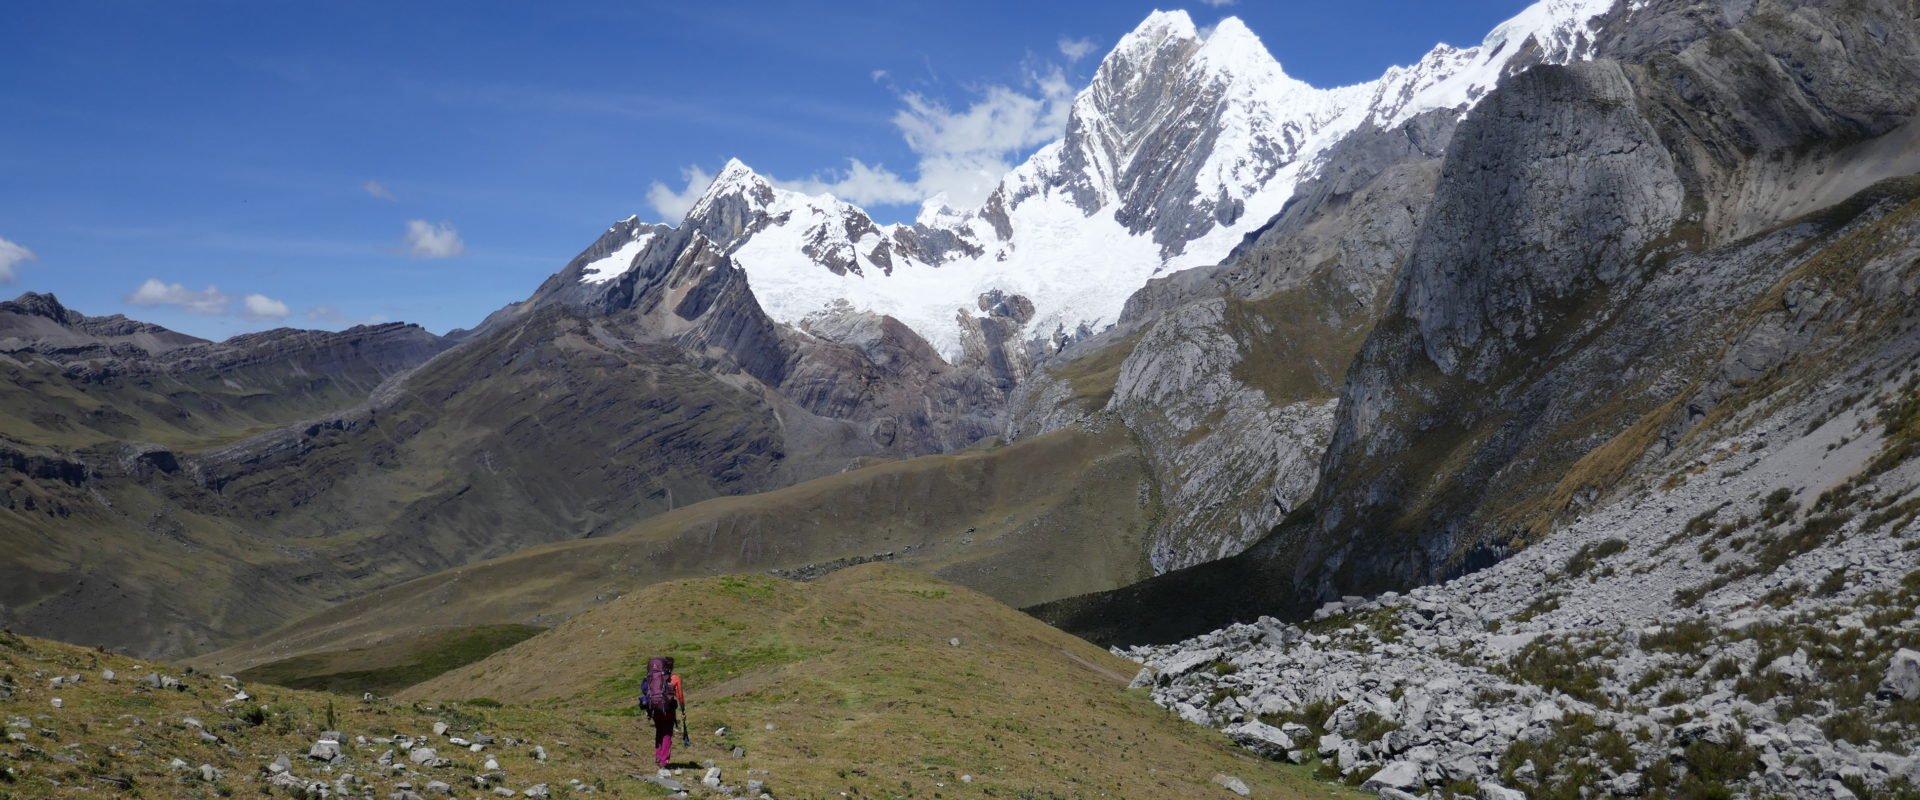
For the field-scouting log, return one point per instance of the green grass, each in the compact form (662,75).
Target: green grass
(384,670)
(868,696)
(1593,553)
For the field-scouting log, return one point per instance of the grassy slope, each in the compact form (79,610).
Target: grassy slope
(117,738)
(867,696)
(396,665)
(1053,516)
(855,673)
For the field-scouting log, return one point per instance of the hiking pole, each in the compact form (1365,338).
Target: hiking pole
(685,740)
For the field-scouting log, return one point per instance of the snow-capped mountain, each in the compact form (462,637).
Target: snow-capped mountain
(1182,144)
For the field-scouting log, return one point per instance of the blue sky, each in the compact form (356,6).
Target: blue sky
(325,164)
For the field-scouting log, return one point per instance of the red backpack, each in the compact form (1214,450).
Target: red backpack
(656,690)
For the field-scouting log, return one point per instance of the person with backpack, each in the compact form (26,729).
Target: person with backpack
(662,696)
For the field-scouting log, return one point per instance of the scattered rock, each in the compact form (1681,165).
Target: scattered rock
(328,750)
(1232,784)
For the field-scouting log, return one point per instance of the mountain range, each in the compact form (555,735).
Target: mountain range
(767,339)
(1510,406)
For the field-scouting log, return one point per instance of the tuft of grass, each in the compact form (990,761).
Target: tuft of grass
(1680,638)
(1592,553)
(1573,668)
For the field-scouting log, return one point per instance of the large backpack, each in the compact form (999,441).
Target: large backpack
(656,690)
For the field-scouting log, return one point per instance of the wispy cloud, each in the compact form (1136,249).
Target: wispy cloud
(673,205)
(962,152)
(862,184)
(428,240)
(155,292)
(262,307)
(1219,3)
(1076,49)
(330,315)
(378,189)
(11,257)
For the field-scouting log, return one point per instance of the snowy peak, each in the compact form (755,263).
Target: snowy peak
(1154,32)
(1181,144)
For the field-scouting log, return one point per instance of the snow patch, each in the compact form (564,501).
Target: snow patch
(615,264)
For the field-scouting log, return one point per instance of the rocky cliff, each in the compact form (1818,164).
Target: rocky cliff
(1612,272)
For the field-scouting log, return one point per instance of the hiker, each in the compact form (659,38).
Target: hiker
(662,696)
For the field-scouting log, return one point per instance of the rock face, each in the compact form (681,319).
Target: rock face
(1705,636)
(1610,274)
(1495,395)
(1229,375)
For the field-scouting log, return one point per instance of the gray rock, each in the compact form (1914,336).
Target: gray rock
(1261,738)
(1232,783)
(422,755)
(1494,791)
(1142,679)
(1903,676)
(1397,775)
(438,787)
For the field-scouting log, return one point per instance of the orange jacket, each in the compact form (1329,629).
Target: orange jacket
(679,692)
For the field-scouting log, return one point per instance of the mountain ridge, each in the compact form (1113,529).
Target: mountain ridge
(1126,187)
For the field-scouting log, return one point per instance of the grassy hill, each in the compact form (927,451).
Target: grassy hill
(846,686)
(1047,517)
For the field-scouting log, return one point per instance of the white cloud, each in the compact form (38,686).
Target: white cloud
(12,256)
(1219,3)
(154,292)
(378,189)
(861,185)
(880,75)
(262,307)
(962,153)
(427,240)
(672,205)
(1076,49)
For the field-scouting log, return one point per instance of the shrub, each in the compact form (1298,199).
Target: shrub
(1684,637)
(1591,553)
